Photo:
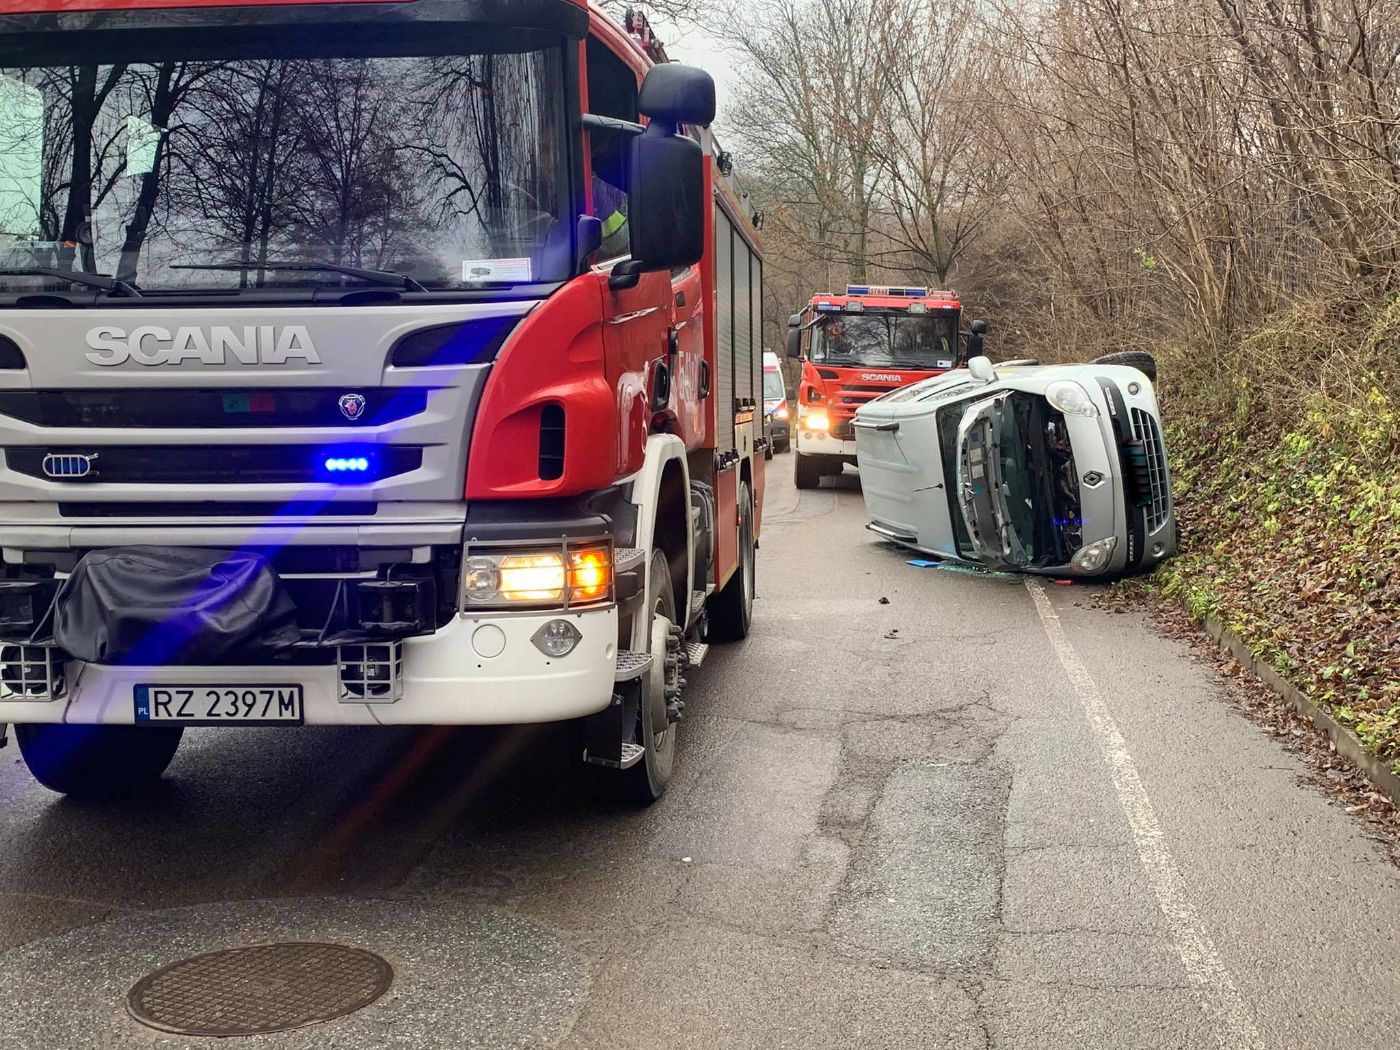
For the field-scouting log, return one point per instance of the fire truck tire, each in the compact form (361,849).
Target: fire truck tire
(731,610)
(1139,359)
(96,761)
(646,781)
(806,471)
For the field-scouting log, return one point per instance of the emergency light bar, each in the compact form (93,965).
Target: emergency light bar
(877,289)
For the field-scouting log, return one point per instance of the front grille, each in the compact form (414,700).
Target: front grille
(211,409)
(289,509)
(214,464)
(850,396)
(1147,430)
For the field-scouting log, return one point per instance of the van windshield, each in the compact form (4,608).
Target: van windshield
(1039,483)
(446,168)
(1039,486)
(772,386)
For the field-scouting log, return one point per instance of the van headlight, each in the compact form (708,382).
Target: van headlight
(555,577)
(1070,398)
(1094,557)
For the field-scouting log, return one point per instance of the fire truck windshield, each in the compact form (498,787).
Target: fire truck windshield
(173,173)
(886,340)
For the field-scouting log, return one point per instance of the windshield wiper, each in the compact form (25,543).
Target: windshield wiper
(385,278)
(80,277)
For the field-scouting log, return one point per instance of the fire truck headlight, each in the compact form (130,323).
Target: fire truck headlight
(816,421)
(542,578)
(532,577)
(481,581)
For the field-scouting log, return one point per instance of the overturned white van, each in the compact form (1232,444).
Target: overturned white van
(1053,469)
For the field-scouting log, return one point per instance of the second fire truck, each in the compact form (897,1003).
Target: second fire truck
(857,346)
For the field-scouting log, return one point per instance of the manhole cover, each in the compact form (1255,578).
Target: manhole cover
(263,988)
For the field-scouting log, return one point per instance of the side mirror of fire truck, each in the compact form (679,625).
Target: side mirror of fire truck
(794,336)
(667,209)
(666,219)
(678,94)
(974,340)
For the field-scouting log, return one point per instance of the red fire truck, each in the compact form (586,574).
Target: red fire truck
(858,346)
(365,363)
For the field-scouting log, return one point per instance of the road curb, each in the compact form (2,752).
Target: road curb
(1343,739)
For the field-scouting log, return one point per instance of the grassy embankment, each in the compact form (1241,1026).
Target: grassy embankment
(1286,455)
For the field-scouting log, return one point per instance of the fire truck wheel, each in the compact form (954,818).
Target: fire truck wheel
(646,781)
(806,471)
(97,760)
(731,610)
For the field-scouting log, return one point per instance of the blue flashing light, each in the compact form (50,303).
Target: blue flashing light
(827,308)
(346,464)
(857,289)
(916,293)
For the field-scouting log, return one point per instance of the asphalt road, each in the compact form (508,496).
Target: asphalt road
(983,814)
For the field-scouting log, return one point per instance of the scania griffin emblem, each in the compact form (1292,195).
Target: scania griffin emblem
(352,406)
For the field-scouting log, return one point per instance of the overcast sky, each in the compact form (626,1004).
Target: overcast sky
(696,48)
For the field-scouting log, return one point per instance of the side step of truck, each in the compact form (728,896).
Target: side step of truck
(632,665)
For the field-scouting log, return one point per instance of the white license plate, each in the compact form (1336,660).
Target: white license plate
(217,705)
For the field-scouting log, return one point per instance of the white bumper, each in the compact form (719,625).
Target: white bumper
(820,443)
(446,681)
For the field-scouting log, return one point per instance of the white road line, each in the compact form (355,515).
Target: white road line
(1204,969)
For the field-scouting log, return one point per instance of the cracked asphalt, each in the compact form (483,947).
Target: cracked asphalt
(917,824)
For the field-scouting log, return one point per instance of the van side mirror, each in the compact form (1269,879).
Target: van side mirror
(678,94)
(982,369)
(794,342)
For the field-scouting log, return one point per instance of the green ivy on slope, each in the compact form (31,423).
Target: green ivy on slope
(1286,470)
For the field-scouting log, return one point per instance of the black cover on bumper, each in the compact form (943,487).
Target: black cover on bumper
(172,605)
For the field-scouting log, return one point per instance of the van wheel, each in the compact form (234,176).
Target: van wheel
(731,610)
(806,471)
(97,761)
(1139,359)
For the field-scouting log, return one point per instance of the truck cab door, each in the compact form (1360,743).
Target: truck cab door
(688,378)
(636,346)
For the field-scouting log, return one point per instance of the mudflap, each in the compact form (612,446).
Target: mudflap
(606,732)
